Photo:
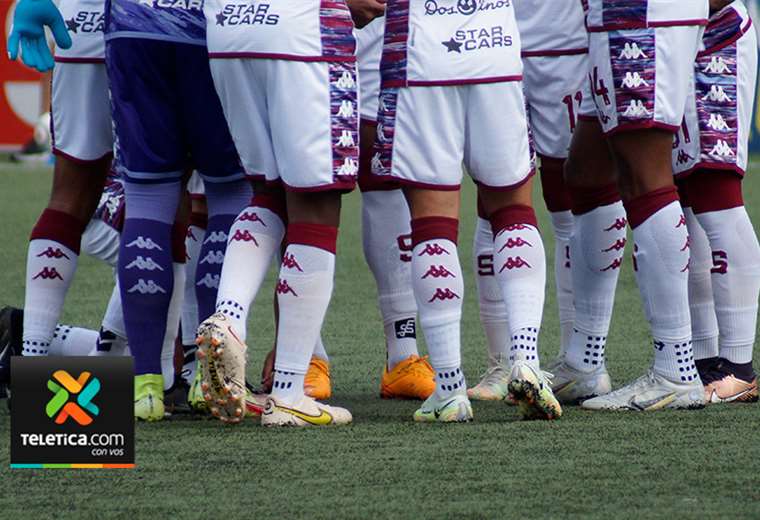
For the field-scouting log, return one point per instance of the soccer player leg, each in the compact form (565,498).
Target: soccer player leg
(726,74)
(153,158)
(498,157)
(193,241)
(112,337)
(640,111)
(386,240)
(554,91)
(493,315)
(596,252)
(704,323)
(316,151)
(81,128)
(425,154)
(257,232)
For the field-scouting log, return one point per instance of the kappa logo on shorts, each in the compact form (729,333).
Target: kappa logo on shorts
(144,264)
(717,123)
(86,22)
(631,51)
(346,140)
(717,65)
(683,157)
(476,39)
(463,7)
(722,149)
(349,168)
(717,95)
(633,80)
(346,110)
(246,14)
(636,110)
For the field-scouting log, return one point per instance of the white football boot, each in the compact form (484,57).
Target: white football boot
(573,386)
(493,385)
(651,392)
(454,408)
(306,412)
(221,363)
(531,390)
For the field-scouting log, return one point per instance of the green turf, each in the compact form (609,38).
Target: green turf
(663,464)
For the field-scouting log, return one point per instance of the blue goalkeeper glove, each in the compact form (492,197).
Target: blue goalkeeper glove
(29,23)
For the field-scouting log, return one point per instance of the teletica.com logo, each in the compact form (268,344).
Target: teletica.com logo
(84,388)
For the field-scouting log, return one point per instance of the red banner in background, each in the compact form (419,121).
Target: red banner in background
(20,93)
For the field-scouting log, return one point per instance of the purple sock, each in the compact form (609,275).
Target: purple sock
(146,279)
(225,201)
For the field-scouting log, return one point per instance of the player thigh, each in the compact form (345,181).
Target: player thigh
(208,136)
(554,88)
(81,111)
(313,116)
(240,86)
(421,136)
(640,78)
(497,149)
(146,110)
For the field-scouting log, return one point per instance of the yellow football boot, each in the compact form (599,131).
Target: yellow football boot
(413,378)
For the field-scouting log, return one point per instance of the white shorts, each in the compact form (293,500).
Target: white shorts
(425,133)
(716,127)
(369,50)
(81,112)
(295,122)
(195,186)
(554,94)
(641,78)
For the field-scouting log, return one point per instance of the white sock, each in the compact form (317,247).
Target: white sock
(387,247)
(101,241)
(493,312)
(255,237)
(704,322)
(50,267)
(304,289)
(596,249)
(661,259)
(109,344)
(193,243)
(72,341)
(439,288)
(172,325)
(520,265)
(562,223)
(735,279)
(319,350)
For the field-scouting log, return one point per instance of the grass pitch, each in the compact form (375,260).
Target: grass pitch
(662,464)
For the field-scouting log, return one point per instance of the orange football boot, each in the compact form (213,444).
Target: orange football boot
(317,383)
(413,378)
(731,389)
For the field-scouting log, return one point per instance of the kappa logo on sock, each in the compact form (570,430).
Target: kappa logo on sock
(514,263)
(433,250)
(511,243)
(619,224)
(444,294)
(439,272)
(210,281)
(48,273)
(405,328)
(616,263)
(144,243)
(216,236)
(683,157)
(149,287)
(681,221)
(617,246)
(190,234)
(284,288)
(514,227)
(53,253)
(244,236)
(250,216)
(213,257)
(144,264)
(289,261)
(687,244)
